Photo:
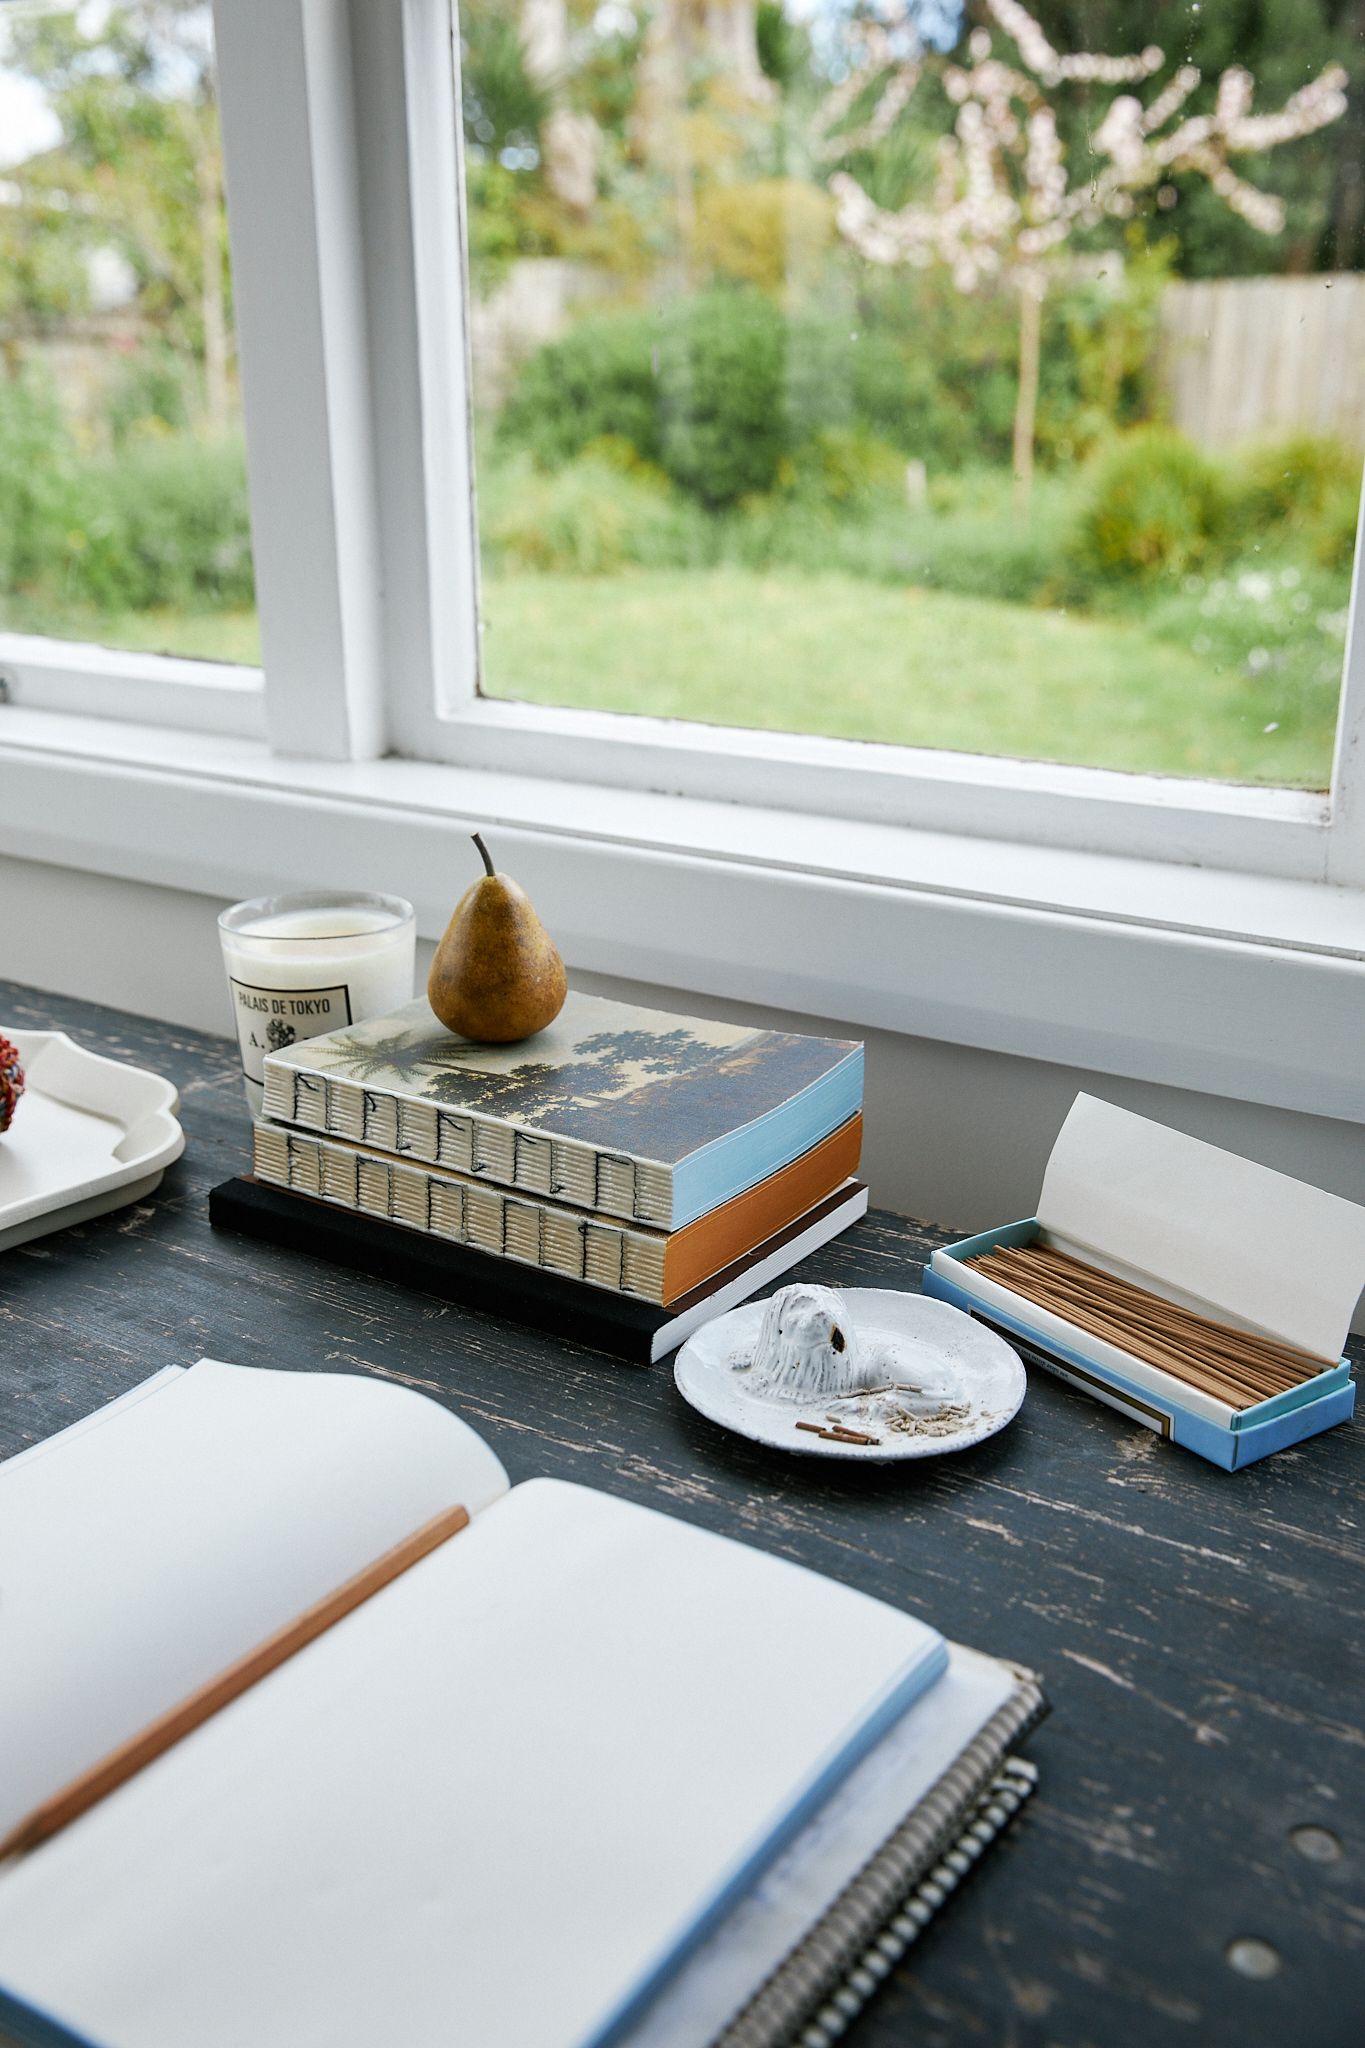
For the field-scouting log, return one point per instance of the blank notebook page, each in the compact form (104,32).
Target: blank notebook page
(143,1553)
(488,1810)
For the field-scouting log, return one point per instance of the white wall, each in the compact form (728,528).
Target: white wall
(954,1135)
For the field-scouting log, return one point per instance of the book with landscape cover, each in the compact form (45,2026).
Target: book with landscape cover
(639,1113)
(659,1266)
(623,1325)
(382,1748)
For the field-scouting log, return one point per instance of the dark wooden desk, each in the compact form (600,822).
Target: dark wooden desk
(1199,1631)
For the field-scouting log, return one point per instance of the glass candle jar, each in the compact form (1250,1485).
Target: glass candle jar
(310,962)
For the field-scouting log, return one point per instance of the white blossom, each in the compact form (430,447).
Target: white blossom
(1005,142)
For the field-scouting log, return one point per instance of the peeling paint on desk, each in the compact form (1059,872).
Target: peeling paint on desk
(1202,1634)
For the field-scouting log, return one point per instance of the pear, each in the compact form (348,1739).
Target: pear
(496,976)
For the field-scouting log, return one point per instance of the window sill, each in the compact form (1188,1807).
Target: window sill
(1221,982)
(150,689)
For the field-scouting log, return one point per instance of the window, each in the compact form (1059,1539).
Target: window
(900,620)
(122,469)
(1166,926)
(916,374)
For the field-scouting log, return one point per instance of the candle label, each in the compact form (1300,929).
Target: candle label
(268,1019)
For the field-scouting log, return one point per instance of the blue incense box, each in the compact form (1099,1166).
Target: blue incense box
(1200,1227)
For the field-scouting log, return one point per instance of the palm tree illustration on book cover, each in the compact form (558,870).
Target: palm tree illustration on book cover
(625,1079)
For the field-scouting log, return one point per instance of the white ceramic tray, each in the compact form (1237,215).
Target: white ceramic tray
(88,1135)
(968,1382)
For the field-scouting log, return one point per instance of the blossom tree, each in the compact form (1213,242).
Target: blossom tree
(1004,200)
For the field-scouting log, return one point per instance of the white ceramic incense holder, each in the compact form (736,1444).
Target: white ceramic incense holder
(859,1373)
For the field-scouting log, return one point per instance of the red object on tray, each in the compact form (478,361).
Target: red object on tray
(11,1082)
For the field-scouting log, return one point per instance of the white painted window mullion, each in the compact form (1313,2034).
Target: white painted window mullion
(286,79)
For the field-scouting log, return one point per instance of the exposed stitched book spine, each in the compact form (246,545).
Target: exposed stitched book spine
(310,1102)
(615,1185)
(272,1153)
(279,1092)
(379,1120)
(573,1173)
(345,1110)
(491,1219)
(562,1169)
(340,1176)
(372,1183)
(653,1193)
(410,1197)
(521,1231)
(305,1166)
(417,1129)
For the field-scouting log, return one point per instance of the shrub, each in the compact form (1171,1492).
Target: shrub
(746,232)
(1155,505)
(597,380)
(149,392)
(716,391)
(846,472)
(977,545)
(1298,479)
(723,421)
(1309,487)
(167,524)
(163,523)
(1332,537)
(589,518)
(39,494)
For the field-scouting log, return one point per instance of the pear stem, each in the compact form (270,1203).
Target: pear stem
(484,851)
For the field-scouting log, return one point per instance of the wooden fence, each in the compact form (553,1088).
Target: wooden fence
(1257,358)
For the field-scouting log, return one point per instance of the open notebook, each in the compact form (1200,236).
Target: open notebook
(585,1773)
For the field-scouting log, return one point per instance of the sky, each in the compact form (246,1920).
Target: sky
(27,123)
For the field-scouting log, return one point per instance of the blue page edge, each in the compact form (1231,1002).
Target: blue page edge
(900,1696)
(32,2028)
(730,1165)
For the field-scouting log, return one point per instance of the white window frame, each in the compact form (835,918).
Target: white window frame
(392,188)
(1157,929)
(341,134)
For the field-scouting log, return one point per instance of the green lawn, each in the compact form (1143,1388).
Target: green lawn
(839,655)
(203,636)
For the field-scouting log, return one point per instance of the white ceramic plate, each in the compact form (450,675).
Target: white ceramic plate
(89,1135)
(970,1382)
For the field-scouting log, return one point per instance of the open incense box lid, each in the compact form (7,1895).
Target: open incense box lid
(1204,1228)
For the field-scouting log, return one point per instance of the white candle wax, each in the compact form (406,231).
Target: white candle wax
(300,966)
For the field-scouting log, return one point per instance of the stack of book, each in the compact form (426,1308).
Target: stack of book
(622,1177)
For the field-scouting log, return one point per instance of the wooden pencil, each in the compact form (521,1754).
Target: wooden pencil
(158,1736)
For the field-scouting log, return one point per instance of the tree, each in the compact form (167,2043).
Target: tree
(138,170)
(1005,200)
(1283,43)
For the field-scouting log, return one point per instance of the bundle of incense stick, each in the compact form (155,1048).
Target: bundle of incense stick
(1236,1366)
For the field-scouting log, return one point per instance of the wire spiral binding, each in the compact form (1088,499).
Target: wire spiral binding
(997,1807)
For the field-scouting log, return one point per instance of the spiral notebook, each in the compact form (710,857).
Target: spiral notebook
(691,1780)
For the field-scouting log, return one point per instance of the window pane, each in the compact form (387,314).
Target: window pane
(970,378)
(123,509)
